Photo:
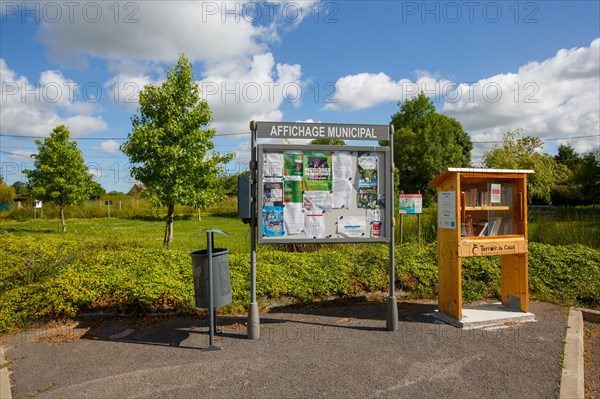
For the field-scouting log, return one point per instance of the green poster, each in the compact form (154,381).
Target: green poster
(292,166)
(317,171)
(292,191)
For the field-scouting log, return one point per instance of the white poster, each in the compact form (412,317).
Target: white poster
(352,226)
(495,193)
(314,224)
(273,165)
(447,209)
(342,194)
(293,217)
(319,199)
(342,165)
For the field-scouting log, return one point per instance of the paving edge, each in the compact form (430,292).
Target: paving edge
(5,390)
(572,378)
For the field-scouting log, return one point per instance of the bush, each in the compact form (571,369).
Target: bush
(46,276)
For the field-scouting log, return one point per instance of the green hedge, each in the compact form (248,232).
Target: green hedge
(53,277)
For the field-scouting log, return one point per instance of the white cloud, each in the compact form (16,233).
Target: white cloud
(554,98)
(251,91)
(366,90)
(125,88)
(109,146)
(34,109)
(152,31)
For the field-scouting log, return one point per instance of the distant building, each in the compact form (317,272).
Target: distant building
(136,190)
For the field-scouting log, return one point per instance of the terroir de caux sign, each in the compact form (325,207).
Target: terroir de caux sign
(303,130)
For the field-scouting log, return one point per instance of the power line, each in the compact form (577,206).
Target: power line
(104,138)
(550,139)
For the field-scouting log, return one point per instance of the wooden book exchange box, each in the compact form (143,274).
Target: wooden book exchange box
(482,212)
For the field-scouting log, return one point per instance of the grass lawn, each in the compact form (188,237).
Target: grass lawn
(149,232)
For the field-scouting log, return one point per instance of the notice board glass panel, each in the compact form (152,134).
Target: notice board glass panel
(323,194)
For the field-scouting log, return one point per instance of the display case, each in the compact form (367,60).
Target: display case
(482,212)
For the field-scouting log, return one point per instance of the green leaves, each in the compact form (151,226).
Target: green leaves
(426,143)
(521,152)
(170,146)
(60,175)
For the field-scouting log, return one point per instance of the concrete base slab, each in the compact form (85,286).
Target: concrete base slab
(486,315)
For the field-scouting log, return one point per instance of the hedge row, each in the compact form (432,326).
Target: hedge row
(52,277)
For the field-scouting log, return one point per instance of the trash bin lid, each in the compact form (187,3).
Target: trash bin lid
(215,231)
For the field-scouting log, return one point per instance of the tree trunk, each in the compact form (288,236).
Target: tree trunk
(62,220)
(169,227)
(199,215)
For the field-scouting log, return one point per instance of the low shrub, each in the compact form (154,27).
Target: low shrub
(49,276)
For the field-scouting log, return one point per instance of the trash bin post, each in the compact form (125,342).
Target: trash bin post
(205,281)
(211,316)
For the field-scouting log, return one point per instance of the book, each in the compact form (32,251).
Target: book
(491,226)
(479,229)
(495,193)
(497,226)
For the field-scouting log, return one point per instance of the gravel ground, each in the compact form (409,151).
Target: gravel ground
(591,342)
(340,350)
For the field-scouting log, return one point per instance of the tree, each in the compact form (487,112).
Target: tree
(521,152)
(96,190)
(567,156)
(426,143)
(60,175)
(173,156)
(7,193)
(588,175)
(328,142)
(20,188)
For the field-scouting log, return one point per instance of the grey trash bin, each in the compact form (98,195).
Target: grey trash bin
(221,278)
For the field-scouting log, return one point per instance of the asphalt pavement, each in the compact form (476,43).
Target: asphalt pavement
(340,350)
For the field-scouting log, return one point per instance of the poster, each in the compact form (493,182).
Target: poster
(317,199)
(367,181)
(292,166)
(314,224)
(352,226)
(273,193)
(411,203)
(292,191)
(273,165)
(293,218)
(342,165)
(272,225)
(317,170)
(447,209)
(342,194)
(495,193)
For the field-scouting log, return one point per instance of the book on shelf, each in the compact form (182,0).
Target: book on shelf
(507,227)
(497,225)
(479,229)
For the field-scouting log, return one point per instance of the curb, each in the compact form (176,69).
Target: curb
(5,392)
(571,381)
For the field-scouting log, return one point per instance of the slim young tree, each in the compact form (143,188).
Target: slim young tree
(60,175)
(171,148)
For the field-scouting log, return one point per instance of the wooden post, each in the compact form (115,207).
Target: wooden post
(449,263)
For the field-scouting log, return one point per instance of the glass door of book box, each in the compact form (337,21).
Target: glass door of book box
(491,207)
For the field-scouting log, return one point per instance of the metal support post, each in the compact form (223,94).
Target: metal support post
(253,316)
(392,307)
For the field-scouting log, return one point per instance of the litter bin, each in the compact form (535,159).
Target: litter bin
(220,275)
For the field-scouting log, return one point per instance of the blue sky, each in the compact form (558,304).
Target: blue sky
(494,66)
